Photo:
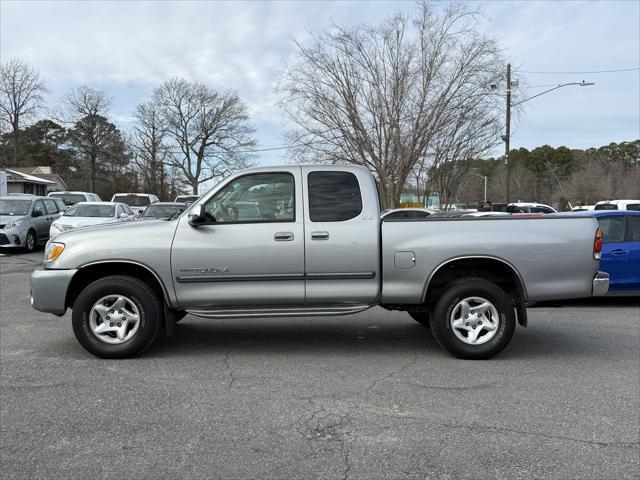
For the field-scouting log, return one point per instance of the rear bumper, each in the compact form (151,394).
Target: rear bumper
(600,284)
(49,289)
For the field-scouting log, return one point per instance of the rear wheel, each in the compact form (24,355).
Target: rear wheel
(117,317)
(473,319)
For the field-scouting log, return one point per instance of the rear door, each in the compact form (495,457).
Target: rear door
(633,245)
(615,254)
(341,238)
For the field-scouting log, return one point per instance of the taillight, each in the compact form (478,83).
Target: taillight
(597,245)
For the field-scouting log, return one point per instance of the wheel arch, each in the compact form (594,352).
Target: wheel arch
(95,270)
(491,268)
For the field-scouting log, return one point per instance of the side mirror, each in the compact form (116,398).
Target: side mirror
(197,215)
(36,213)
(124,215)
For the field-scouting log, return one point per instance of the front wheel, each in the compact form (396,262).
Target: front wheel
(117,317)
(30,241)
(473,319)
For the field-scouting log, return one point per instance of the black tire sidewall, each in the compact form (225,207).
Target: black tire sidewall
(460,290)
(145,300)
(26,241)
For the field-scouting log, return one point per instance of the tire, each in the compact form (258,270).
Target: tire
(490,324)
(422,318)
(30,241)
(142,309)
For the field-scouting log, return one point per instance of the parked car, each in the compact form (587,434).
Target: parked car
(85,214)
(620,249)
(407,213)
(71,198)
(317,248)
(164,210)
(618,205)
(137,201)
(25,220)
(522,207)
(187,198)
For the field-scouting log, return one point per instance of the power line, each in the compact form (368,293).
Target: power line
(576,73)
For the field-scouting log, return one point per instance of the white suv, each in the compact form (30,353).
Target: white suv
(618,205)
(138,202)
(71,198)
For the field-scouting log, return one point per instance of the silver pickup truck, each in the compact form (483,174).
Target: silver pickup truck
(308,240)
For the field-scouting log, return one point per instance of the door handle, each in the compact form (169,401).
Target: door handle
(619,252)
(319,235)
(283,236)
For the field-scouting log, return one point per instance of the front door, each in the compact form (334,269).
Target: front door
(41,220)
(251,250)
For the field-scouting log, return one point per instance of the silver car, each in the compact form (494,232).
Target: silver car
(25,220)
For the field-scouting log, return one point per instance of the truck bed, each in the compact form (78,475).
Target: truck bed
(552,255)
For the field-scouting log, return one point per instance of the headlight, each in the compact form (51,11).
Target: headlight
(13,224)
(53,251)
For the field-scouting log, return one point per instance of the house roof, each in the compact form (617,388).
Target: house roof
(16,176)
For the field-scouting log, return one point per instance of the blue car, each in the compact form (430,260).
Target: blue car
(620,249)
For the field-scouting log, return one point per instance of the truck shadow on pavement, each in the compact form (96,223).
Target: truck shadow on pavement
(287,337)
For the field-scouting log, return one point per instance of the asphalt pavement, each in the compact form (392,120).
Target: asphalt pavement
(367,396)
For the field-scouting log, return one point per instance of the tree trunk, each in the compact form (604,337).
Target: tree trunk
(16,143)
(92,180)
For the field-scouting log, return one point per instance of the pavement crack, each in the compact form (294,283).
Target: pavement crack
(405,366)
(231,372)
(536,434)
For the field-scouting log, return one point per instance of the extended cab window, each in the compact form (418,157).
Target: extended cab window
(333,196)
(259,197)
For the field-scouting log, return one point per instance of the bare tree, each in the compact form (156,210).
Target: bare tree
(209,129)
(87,108)
(470,136)
(21,90)
(380,95)
(152,155)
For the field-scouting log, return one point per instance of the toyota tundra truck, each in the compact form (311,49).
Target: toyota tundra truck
(309,240)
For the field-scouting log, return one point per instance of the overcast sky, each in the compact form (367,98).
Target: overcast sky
(129,48)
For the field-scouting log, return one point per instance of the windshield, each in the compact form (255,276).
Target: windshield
(103,211)
(132,200)
(606,206)
(162,211)
(187,198)
(69,198)
(14,207)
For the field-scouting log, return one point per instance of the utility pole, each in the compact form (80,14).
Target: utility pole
(507,136)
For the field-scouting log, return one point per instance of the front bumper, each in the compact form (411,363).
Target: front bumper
(49,289)
(12,237)
(600,284)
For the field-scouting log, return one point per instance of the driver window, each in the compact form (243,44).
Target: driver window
(255,198)
(38,208)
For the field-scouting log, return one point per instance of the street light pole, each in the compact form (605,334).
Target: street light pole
(485,184)
(507,135)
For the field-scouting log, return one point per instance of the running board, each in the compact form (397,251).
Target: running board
(273,311)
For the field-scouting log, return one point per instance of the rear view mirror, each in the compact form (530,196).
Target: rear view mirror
(197,215)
